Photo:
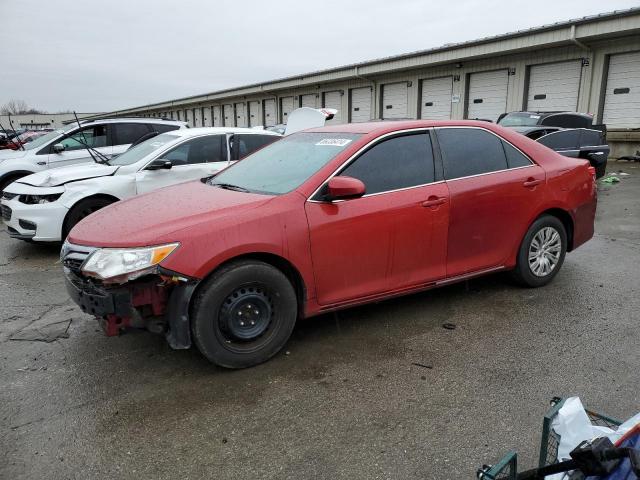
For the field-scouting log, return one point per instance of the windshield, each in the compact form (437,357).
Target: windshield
(520,119)
(143,149)
(44,139)
(285,164)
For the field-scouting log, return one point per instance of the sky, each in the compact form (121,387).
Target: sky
(94,56)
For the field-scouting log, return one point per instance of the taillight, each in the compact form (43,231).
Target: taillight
(592,171)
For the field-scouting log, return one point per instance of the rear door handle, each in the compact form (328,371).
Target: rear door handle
(434,201)
(532,182)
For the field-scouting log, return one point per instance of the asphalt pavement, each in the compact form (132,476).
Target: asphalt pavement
(382,391)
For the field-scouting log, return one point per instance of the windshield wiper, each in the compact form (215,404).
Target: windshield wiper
(229,186)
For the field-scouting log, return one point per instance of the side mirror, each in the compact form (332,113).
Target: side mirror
(342,188)
(58,147)
(160,164)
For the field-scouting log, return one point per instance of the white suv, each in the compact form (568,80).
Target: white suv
(68,146)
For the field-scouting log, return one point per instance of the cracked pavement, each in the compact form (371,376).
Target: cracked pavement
(380,391)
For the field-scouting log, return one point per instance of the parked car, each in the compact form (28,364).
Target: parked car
(44,206)
(568,133)
(325,219)
(7,141)
(67,146)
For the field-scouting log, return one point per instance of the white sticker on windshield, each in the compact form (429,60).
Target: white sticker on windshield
(534,116)
(334,142)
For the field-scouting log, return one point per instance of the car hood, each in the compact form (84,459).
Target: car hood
(151,219)
(60,176)
(8,154)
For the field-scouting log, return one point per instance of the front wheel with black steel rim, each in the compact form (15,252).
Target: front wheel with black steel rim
(542,252)
(244,314)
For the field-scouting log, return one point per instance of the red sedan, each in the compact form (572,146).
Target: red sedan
(325,219)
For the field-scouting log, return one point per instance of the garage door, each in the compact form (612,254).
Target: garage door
(286,107)
(228,115)
(241,115)
(436,98)
(554,86)
(395,100)
(622,94)
(215,115)
(333,100)
(360,107)
(487,95)
(308,100)
(254,115)
(270,113)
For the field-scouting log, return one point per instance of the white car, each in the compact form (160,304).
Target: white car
(67,146)
(44,206)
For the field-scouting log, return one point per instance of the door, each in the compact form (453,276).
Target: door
(554,86)
(241,115)
(360,108)
(393,237)
(622,92)
(435,98)
(254,116)
(487,97)
(308,100)
(286,107)
(494,192)
(216,116)
(229,116)
(270,117)
(333,100)
(196,158)
(75,151)
(395,100)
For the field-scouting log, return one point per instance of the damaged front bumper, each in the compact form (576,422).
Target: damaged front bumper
(159,303)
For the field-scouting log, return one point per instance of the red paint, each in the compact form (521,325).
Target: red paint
(362,249)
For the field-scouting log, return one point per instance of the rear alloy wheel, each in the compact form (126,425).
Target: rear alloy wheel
(542,252)
(244,314)
(81,210)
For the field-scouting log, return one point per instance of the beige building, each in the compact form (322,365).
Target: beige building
(42,120)
(589,65)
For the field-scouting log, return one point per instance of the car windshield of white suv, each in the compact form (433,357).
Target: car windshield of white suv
(520,119)
(285,164)
(44,139)
(143,149)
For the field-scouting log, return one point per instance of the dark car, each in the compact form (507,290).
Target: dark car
(549,119)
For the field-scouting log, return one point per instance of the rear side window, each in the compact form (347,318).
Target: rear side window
(163,128)
(591,138)
(399,162)
(243,145)
(470,151)
(199,150)
(126,133)
(562,140)
(515,158)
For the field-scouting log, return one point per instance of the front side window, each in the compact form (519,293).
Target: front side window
(95,137)
(470,151)
(244,144)
(399,162)
(286,164)
(199,150)
(138,152)
(127,133)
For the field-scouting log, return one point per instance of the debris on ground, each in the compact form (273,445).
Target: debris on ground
(631,158)
(449,326)
(610,179)
(50,326)
(423,365)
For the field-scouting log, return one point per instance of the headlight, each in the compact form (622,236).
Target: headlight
(38,199)
(119,265)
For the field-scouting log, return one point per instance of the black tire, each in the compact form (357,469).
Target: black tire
(82,209)
(524,273)
(601,170)
(229,298)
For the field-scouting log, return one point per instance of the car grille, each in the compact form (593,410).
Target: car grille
(73,256)
(8,196)
(6,212)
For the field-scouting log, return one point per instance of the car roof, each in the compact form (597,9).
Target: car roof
(191,132)
(393,125)
(133,120)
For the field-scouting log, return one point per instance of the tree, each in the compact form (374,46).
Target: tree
(17,107)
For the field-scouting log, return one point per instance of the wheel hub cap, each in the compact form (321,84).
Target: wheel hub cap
(544,251)
(246,314)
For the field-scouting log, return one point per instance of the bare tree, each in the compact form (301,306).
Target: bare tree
(17,107)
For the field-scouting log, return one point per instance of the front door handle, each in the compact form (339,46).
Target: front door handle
(532,182)
(434,201)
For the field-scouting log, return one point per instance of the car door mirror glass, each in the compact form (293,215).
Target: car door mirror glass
(58,147)
(160,164)
(344,187)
